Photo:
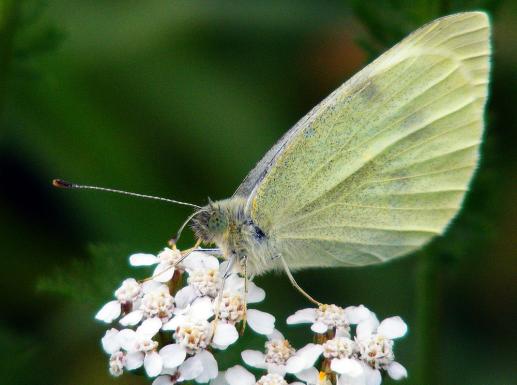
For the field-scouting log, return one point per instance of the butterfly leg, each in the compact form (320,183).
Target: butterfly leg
(244,263)
(226,274)
(295,284)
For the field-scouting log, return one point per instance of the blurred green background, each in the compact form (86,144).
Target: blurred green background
(180,99)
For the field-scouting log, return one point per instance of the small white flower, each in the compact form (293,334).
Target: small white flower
(194,335)
(237,375)
(141,348)
(128,291)
(375,344)
(156,302)
(204,278)
(110,341)
(232,309)
(330,317)
(271,379)
(280,357)
(126,295)
(117,362)
(166,260)
(205,281)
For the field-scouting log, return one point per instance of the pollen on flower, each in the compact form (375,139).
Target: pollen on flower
(128,291)
(333,316)
(377,351)
(323,379)
(278,352)
(339,347)
(232,308)
(194,335)
(206,282)
(272,379)
(146,345)
(116,363)
(158,303)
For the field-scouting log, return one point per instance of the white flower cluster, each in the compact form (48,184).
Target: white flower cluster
(172,322)
(344,359)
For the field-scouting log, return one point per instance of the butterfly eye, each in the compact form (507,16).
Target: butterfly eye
(217,222)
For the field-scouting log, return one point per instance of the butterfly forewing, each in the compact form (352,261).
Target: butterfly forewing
(381,165)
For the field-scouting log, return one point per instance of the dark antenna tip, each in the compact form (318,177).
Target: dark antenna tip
(60,183)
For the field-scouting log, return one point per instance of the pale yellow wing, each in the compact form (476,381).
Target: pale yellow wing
(382,164)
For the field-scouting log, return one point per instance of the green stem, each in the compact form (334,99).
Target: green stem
(427,325)
(8,20)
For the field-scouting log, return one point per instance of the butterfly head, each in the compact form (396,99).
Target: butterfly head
(210,222)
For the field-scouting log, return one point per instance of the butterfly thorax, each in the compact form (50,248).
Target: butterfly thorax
(227,224)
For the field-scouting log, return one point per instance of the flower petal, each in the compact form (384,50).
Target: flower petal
(163,272)
(185,296)
(149,286)
(110,341)
(134,360)
(302,316)
(392,327)
(198,260)
(225,335)
(319,327)
(132,318)
(109,312)
(345,379)
(366,328)
(372,376)
(175,322)
(348,366)
(173,355)
(163,380)
(209,364)
(295,364)
(126,339)
(275,335)
(153,364)
(356,314)
(191,368)
(254,358)
(255,293)
(201,308)
(310,353)
(220,379)
(237,375)
(304,358)
(142,259)
(309,376)
(397,371)
(149,327)
(261,322)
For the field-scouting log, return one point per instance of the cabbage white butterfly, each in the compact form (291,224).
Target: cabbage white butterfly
(376,169)
(371,173)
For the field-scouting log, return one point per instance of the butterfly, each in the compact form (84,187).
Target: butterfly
(375,170)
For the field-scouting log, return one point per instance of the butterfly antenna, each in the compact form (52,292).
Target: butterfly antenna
(67,185)
(182,227)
